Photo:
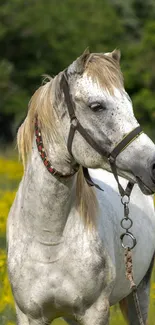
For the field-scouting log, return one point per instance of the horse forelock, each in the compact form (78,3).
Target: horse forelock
(41,105)
(104,70)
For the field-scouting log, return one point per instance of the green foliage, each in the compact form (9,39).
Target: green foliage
(140,77)
(38,37)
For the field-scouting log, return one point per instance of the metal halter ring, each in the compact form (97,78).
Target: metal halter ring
(125,199)
(74,122)
(124,221)
(131,236)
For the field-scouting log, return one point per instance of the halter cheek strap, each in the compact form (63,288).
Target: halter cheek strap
(76,126)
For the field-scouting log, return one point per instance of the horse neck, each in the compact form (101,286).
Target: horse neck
(48,199)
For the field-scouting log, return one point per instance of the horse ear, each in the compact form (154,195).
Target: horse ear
(116,55)
(81,61)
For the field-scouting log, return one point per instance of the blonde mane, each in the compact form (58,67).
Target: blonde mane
(103,70)
(40,105)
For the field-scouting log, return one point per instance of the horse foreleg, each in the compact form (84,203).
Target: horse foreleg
(97,314)
(23,319)
(127,304)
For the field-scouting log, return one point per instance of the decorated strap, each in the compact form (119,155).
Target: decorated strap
(43,155)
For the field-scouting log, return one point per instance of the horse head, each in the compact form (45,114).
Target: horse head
(92,95)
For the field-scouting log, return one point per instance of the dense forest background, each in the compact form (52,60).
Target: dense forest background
(38,37)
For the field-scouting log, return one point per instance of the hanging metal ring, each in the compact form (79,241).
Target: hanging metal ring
(123,222)
(125,199)
(129,234)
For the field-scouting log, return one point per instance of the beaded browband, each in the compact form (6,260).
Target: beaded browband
(43,155)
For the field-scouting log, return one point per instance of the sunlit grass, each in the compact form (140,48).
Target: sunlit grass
(10,175)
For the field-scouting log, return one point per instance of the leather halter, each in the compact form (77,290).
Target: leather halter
(76,126)
(116,151)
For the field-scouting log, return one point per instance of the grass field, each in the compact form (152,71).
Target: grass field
(10,174)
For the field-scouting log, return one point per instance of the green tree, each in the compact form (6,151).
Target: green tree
(140,77)
(38,37)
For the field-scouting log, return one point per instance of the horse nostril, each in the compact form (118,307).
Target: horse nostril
(153,171)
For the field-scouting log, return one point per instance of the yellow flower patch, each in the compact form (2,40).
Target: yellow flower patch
(13,169)
(10,171)
(6,199)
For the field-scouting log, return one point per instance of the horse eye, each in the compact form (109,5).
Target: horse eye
(97,107)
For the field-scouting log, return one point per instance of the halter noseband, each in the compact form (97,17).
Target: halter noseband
(76,126)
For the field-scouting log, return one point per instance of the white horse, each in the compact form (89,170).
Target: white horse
(64,253)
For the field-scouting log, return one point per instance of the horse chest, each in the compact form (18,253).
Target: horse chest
(67,282)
